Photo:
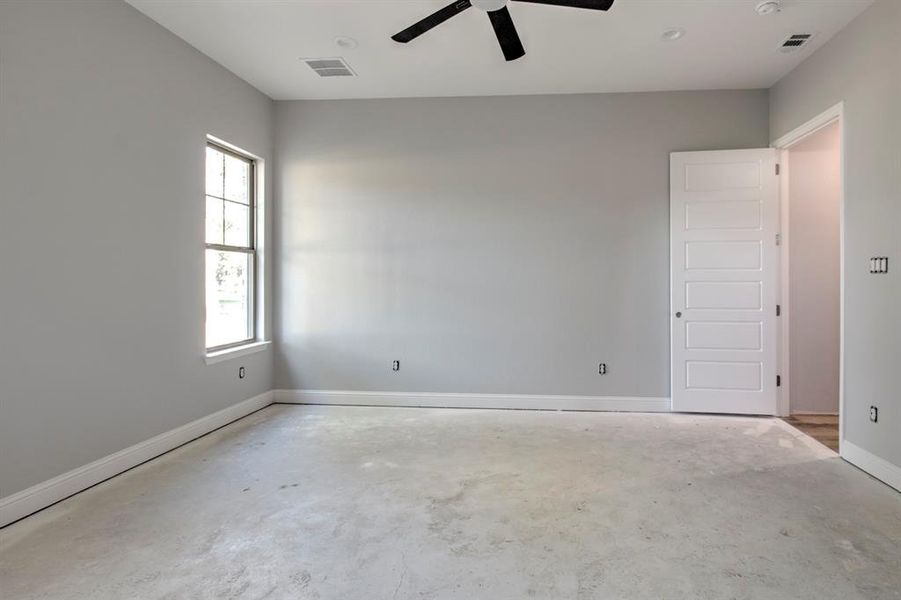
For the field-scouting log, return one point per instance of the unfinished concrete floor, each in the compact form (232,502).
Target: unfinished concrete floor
(389,503)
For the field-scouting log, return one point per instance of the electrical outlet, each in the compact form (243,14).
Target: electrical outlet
(395,366)
(874,414)
(602,369)
(242,372)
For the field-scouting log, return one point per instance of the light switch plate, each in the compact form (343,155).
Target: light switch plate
(879,265)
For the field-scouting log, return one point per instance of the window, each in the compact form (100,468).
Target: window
(231,255)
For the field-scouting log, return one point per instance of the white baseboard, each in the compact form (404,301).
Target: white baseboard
(445,400)
(42,495)
(877,467)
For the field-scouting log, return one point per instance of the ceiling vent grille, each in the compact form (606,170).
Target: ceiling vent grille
(795,41)
(330,67)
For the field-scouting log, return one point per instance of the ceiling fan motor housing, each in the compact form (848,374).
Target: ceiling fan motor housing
(489,5)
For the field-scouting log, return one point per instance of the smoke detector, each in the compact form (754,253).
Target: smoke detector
(769,7)
(348,43)
(671,35)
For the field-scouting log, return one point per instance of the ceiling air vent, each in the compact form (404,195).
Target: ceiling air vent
(795,41)
(330,67)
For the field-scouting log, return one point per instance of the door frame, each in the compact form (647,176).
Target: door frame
(834,114)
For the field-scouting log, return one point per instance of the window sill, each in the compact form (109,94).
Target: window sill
(229,353)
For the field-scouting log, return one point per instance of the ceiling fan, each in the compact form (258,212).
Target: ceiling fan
(500,20)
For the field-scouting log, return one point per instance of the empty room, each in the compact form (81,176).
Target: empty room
(488,299)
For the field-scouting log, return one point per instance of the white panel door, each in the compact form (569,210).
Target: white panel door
(723,223)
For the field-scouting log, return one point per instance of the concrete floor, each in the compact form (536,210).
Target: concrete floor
(388,503)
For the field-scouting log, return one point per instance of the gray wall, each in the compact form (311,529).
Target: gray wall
(493,245)
(814,201)
(860,65)
(103,118)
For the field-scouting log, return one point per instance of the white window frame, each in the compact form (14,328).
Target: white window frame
(257,341)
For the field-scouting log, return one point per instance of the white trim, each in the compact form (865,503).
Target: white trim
(42,495)
(877,467)
(498,401)
(229,146)
(216,357)
(827,117)
(785,278)
(834,114)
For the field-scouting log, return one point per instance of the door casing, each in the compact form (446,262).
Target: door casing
(834,114)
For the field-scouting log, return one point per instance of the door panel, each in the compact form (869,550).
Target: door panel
(730,214)
(722,335)
(724,295)
(724,218)
(719,375)
(721,175)
(723,255)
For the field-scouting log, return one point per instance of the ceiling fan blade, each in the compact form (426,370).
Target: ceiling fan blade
(433,20)
(506,34)
(589,4)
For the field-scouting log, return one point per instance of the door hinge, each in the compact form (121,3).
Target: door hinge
(777,168)
(778,239)
(778,380)
(778,310)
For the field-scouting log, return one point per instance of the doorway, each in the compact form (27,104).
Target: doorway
(811,255)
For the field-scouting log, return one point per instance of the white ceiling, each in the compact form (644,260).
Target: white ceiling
(727,45)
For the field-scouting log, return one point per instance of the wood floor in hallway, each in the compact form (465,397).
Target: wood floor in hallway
(822,428)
